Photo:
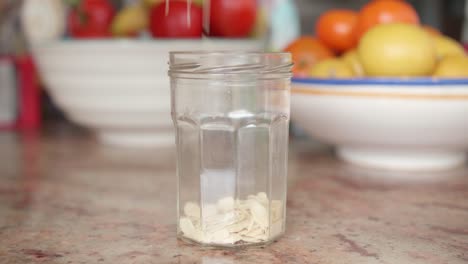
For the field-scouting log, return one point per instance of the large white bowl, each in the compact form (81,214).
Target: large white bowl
(119,88)
(405,124)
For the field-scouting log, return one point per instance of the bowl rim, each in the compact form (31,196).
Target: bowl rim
(124,42)
(417,81)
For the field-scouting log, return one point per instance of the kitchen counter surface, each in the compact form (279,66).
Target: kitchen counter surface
(66,199)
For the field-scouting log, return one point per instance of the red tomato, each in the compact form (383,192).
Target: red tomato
(179,22)
(232,18)
(91,19)
(336,29)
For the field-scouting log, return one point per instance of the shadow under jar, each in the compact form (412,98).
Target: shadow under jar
(231,114)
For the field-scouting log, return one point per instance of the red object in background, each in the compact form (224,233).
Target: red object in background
(26,105)
(466,47)
(91,19)
(177,23)
(29,111)
(234,19)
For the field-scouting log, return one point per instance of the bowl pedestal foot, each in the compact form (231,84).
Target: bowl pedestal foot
(137,139)
(414,160)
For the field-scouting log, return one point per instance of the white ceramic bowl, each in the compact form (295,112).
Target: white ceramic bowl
(403,124)
(119,88)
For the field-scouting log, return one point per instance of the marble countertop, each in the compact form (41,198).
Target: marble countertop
(64,198)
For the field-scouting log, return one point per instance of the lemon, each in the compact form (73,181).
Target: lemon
(397,49)
(352,59)
(260,26)
(331,68)
(150,3)
(198,2)
(446,46)
(452,66)
(130,20)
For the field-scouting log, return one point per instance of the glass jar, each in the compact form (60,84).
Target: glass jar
(231,115)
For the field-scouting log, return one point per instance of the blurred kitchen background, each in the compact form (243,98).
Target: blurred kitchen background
(27,103)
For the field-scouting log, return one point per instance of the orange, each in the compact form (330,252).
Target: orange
(306,51)
(336,29)
(385,11)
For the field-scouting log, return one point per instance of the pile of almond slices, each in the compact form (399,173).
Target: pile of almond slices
(232,221)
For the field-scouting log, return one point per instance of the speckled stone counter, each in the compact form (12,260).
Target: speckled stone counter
(66,199)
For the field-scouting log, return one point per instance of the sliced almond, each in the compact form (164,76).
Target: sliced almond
(187,227)
(219,236)
(209,210)
(255,232)
(225,204)
(251,239)
(251,197)
(262,197)
(232,221)
(276,228)
(192,209)
(259,213)
(238,226)
(276,210)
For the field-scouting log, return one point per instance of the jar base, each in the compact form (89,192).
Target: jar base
(228,246)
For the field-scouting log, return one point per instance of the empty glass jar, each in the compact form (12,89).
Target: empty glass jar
(231,114)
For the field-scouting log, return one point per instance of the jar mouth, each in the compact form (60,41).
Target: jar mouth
(227,52)
(221,64)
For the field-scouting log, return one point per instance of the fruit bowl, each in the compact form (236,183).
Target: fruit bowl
(119,88)
(400,124)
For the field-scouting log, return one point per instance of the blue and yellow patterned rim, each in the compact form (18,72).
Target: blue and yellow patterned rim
(419,81)
(410,88)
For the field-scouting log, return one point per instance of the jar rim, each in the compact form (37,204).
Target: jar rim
(227,52)
(232,64)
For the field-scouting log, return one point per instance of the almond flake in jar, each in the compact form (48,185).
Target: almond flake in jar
(192,209)
(233,222)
